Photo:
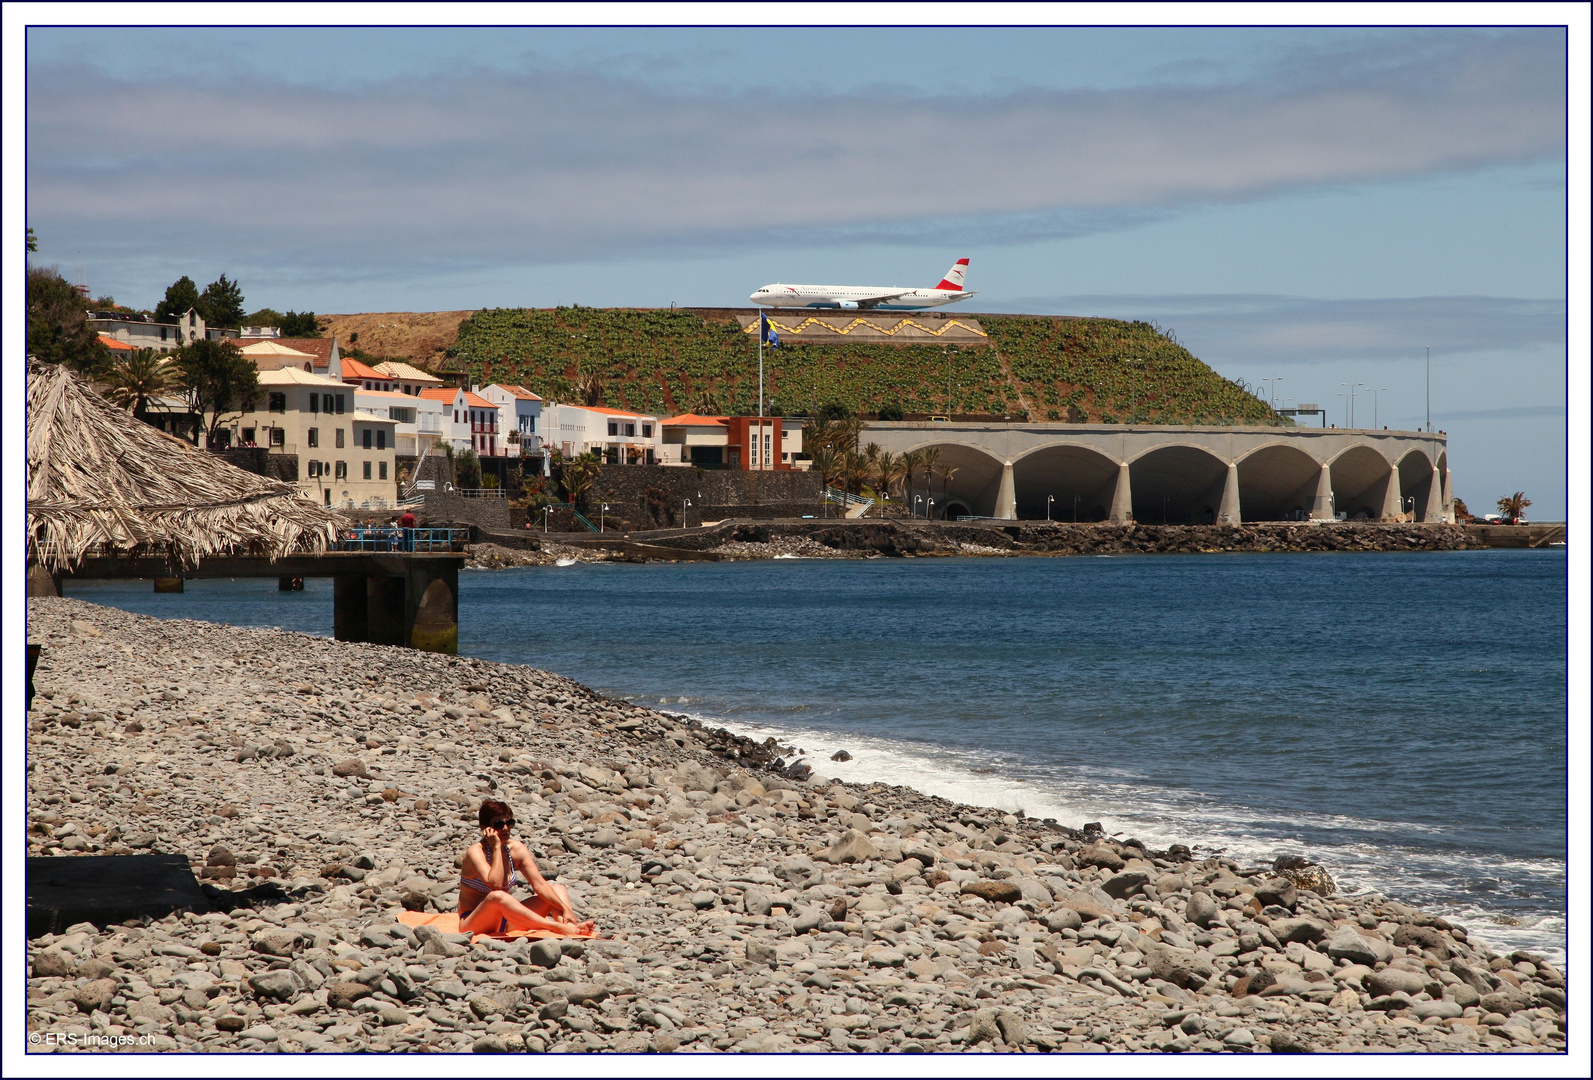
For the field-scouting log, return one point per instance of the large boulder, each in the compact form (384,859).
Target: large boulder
(1395,981)
(1181,967)
(1279,891)
(1425,939)
(1304,930)
(1311,878)
(1202,910)
(800,872)
(998,892)
(853,846)
(1125,883)
(1099,855)
(1348,943)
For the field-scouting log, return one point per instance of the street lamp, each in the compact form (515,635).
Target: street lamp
(931,513)
(685,505)
(1272,390)
(1350,423)
(916,500)
(602,518)
(1049,499)
(1429,387)
(1410,506)
(1379,390)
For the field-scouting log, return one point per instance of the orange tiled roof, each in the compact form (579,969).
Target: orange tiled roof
(354,369)
(476,401)
(111,343)
(694,419)
(439,393)
(519,392)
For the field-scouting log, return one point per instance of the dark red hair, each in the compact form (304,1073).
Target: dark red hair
(493,810)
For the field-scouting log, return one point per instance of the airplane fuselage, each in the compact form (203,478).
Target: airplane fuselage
(855,296)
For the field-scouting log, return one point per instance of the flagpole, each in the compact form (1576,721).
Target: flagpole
(763,330)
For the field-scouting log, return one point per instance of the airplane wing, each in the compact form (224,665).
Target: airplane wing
(872,301)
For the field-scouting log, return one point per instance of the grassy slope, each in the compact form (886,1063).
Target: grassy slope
(663,361)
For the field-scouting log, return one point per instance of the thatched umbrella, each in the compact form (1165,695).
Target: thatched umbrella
(101,482)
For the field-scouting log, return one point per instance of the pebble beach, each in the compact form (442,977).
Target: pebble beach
(747,902)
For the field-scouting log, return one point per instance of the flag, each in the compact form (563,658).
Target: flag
(766,332)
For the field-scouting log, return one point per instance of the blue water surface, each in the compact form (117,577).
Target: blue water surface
(1401,717)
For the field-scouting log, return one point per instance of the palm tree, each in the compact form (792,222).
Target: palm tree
(136,378)
(947,473)
(591,388)
(889,470)
(827,463)
(910,463)
(1511,507)
(578,474)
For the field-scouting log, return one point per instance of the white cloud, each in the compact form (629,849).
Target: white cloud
(494,168)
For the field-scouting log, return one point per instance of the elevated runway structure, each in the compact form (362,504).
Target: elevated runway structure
(1171,474)
(805,327)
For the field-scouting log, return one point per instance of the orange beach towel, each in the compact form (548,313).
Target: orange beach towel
(447,922)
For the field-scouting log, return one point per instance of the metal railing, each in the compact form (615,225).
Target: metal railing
(395,538)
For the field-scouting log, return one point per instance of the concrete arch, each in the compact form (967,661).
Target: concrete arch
(1416,485)
(1365,485)
(973,486)
(1277,483)
(1177,485)
(1079,480)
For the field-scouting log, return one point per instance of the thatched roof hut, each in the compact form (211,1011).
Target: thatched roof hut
(101,482)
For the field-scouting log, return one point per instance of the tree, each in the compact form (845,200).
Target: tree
(1511,507)
(890,472)
(591,387)
(222,304)
(300,324)
(134,378)
(33,240)
(467,469)
(1462,515)
(265,317)
(890,411)
(181,295)
(219,381)
(578,474)
(58,328)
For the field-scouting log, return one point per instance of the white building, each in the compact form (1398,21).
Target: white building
(519,411)
(469,421)
(621,437)
(419,420)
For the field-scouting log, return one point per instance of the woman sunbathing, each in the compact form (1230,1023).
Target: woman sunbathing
(491,870)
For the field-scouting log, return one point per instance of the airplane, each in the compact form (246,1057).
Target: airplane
(949,291)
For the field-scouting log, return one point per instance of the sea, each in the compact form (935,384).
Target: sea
(1400,718)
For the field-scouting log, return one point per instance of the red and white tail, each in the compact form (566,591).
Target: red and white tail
(954,276)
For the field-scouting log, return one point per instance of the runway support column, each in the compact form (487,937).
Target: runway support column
(1435,498)
(1122,498)
(1006,496)
(1449,497)
(1228,513)
(349,608)
(1393,503)
(1322,503)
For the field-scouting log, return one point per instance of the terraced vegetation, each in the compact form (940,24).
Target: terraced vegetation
(667,362)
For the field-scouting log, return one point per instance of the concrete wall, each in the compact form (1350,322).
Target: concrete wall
(654,496)
(261,462)
(483,513)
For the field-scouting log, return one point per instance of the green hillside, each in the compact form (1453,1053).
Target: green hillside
(666,362)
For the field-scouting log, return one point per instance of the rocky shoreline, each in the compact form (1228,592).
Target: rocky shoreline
(318,787)
(908,537)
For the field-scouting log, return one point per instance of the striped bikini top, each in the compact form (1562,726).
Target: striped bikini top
(477,885)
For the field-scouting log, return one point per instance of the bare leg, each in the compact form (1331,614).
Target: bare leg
(497,906)
(557,906)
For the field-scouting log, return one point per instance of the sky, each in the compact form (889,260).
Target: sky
(1324,207)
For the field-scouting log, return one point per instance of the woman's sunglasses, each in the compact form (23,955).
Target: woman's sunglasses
(503,824)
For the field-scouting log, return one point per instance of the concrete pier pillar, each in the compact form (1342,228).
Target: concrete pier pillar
(1122,498)
(431,608)
(168,584)
(1434,510)
(1322,501)
(1449,497)
(1228,512)
(1007,495)
(41,582)
(349,609)
(384,610)
(1393,504)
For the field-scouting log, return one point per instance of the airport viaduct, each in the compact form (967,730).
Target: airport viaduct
(1164,473)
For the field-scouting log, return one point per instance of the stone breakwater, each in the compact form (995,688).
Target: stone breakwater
(319,787)
(907,537)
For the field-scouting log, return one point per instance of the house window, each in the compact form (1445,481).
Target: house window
(381,438)
(315,403)
(313,468)
(367,470)
(248,435)
(381,467)
(613,427)
(340,438)
(339,403)
(278,437)
(630,431)
(366,434)
(456,416)
(312,436)
(276,402)
(647,431)
(342,470)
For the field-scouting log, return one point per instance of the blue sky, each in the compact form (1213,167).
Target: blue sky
(1315,204)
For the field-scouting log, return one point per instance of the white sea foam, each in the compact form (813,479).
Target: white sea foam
(1127,805)
(565,561)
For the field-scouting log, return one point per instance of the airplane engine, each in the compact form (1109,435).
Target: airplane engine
(849,304)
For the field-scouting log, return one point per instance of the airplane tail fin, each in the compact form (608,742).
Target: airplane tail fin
(954,277)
